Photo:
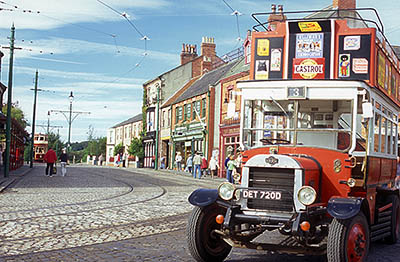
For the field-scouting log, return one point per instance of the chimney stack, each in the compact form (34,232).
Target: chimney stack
(208,53)
(189,52)
(274,18)
(344,4)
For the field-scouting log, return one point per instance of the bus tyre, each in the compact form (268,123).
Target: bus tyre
(204,245)
(348,239)
(395,220)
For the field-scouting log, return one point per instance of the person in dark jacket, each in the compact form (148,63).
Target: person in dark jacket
(50,158)
(63,162)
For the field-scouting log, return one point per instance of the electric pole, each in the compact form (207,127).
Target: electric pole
(34,119)
(9,100)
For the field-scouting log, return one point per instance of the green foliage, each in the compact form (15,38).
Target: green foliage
(27,152)
(17,114)
(78,146)
(97,146)
(118,149)
(136,148)
(55,143)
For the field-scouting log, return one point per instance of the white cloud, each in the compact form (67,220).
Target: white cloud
(62,12)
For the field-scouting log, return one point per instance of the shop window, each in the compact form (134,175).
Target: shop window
(203,103)
(169,118)
(377,123)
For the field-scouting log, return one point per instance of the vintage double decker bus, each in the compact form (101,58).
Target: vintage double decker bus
(40,146)
(319,128)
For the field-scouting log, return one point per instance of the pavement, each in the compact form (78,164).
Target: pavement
(14,175)
(90,206)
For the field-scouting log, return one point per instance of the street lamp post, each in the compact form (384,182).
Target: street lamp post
(71,99)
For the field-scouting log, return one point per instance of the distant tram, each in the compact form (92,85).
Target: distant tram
(40,146)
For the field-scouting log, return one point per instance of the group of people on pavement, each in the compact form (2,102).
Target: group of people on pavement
(198,166)
(94,160)
(50,158)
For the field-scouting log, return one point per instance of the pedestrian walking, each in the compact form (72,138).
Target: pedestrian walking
(197,165)
(204,165)
(162,161)
(101,159)
(50,158)
(178,161)
(63,162)
(231,168)
(213,166)
(123,160)
(189,164)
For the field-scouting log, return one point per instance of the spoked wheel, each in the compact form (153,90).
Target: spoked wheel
(395,220)
(348,239)
(204,245)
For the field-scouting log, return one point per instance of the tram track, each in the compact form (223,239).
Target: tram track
(79,204)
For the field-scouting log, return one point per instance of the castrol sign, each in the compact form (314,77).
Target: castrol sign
(308,68)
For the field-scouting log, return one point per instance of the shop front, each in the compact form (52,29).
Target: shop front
(230,137)
(187,140)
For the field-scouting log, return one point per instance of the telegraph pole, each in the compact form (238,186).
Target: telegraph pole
(34,119)
(9,100)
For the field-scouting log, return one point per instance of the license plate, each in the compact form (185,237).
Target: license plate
(261,194)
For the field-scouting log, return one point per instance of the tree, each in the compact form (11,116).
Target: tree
(97,146)
(118,149)
(17,114)
(55,143)
(136,148)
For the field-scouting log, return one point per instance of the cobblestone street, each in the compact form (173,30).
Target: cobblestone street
(108,214)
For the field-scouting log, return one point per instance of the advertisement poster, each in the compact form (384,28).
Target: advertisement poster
(309,45)
(276,55)
(360,66)
(308,68)
(352,42)
(381,70)
(344,65)
(263,47)
(262,69)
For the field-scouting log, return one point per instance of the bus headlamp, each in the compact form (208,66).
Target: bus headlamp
(306,195)
(226,190)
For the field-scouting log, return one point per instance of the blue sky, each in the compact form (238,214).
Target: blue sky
(99,55)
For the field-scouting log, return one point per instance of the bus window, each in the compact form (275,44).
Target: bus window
(383,134)
(377,123)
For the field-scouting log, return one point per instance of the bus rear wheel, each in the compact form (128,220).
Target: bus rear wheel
(204,245)
(348,239)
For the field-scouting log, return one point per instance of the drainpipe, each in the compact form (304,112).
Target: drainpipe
(157,125)
(208,122)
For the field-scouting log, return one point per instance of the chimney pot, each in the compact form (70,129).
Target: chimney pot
(273,8)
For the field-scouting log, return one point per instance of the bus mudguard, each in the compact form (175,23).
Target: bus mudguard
(344,208)
(203,197)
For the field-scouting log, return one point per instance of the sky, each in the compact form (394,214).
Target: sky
(103,51)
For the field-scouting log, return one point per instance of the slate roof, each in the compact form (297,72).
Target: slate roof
(201,85)
(131,120)
(396,49)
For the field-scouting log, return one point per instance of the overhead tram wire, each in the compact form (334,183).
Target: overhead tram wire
(236,13)
(16,8)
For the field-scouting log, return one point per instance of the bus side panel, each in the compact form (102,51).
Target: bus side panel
(374,169)
(386,171)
